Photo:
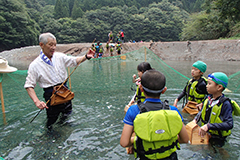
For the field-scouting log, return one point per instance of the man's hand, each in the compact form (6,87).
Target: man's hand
(41,105)
(90,53)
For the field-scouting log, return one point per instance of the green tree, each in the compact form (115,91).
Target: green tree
(132,10)
(204,26)
(58,10)
(76,11)
(16,27)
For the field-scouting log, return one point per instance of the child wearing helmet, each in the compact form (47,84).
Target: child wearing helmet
(216,113)
(195,90)
(100,51)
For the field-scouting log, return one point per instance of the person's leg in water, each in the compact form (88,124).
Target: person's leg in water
(52,115)
(66,112)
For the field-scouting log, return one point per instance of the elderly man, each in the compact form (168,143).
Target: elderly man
(49,70)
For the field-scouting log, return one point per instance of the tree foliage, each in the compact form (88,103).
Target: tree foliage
(17,29)
(74,21)
(219,19)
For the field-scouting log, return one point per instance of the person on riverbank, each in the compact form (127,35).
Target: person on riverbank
(111,50)
(216,113)
(195,90)
(118,48)
(97,47)
(135,120)
(49,70)
(107,48)
(122,36)
(100,51)
(110,37)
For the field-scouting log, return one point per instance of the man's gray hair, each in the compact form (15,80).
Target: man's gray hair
(44,37)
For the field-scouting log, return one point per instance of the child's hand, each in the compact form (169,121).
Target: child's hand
(134,78)
(175,103)
(130,150)
(199,106)
(203,130)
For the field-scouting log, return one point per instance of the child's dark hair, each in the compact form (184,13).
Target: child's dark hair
(154,81)
(144,66)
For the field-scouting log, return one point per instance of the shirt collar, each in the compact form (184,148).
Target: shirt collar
(152,100)
(45,58)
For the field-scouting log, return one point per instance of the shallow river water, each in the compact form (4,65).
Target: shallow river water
(102,89)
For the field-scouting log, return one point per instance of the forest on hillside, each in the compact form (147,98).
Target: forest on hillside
(79,21)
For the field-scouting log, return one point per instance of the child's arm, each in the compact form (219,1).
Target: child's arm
(181,95)
(183,135)
(125,140)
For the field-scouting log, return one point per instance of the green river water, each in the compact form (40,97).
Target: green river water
(102,89)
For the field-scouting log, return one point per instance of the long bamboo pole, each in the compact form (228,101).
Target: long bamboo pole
(2,102)
(70,84)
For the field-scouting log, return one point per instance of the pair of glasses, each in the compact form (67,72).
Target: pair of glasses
(218,80)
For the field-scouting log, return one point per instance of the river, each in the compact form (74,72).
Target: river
(102,89)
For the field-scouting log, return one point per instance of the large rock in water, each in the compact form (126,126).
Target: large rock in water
(212,50)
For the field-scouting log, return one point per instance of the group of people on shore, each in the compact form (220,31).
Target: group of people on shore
(111,45)
(49,71)
(148,120)
(119,37)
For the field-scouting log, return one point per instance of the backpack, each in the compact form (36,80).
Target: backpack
(235,106)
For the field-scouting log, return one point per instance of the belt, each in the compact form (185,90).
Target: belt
(50,89)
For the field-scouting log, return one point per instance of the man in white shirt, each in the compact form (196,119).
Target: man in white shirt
(49,70)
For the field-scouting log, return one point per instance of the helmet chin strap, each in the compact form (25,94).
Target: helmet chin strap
(152,91)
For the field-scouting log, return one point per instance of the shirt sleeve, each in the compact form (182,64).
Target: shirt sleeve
(201,88)
(131,114)
(182,94)
(69,61)
(175,109)
(31,79)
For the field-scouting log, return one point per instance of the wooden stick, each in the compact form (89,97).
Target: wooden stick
(2,101)
(70,85)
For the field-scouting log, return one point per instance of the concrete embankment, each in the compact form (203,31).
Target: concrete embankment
(211,50)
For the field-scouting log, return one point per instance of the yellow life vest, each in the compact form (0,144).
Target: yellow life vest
(215,114)
(193,95)
(140,97)
(156,134)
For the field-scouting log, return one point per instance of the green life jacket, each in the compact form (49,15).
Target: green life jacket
(156,130)
(118,47)
(215,114)
(192,94)
(101,50)
(140,97)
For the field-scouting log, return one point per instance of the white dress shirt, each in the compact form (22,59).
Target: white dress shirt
(49,75)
